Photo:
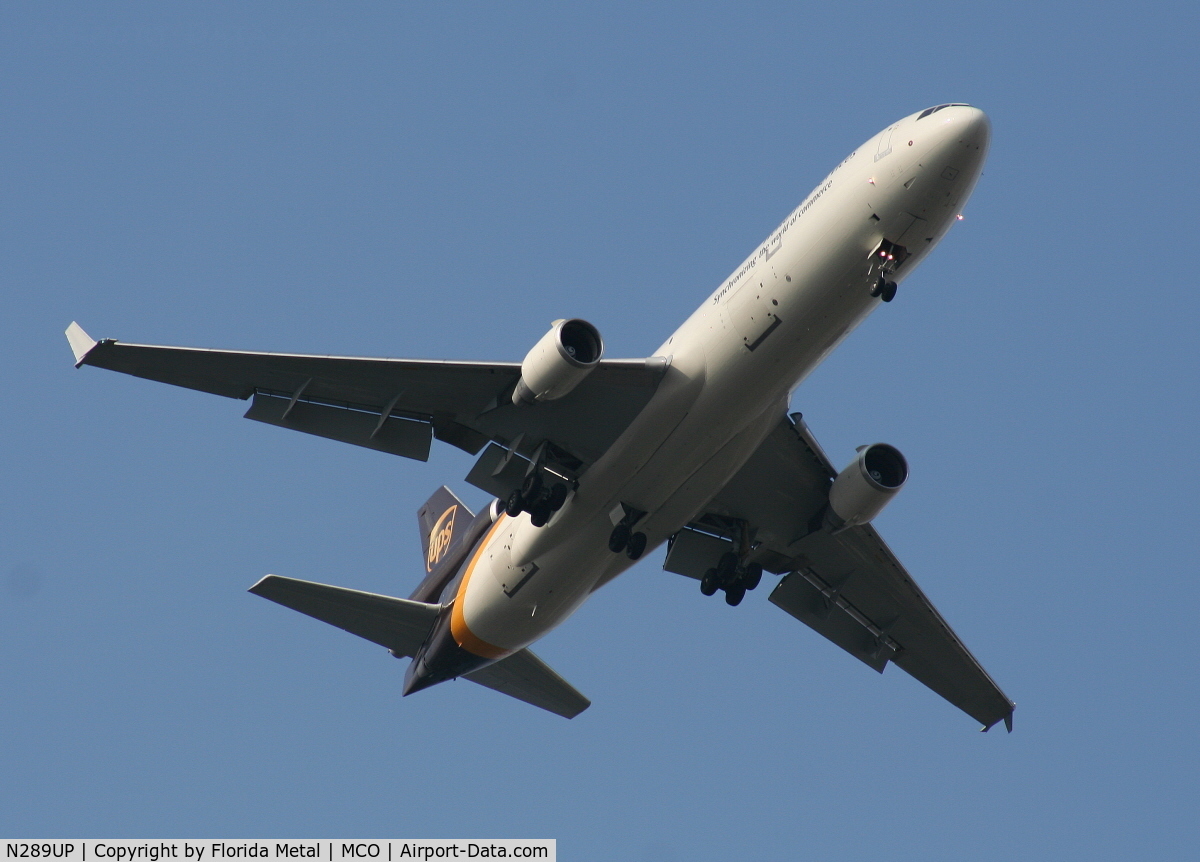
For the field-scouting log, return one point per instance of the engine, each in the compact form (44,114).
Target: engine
(559,361)
(860,491)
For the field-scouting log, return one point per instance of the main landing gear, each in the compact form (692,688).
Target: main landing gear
(624,538)
(536,499)
(735,580)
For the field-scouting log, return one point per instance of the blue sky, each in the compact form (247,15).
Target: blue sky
(442,181)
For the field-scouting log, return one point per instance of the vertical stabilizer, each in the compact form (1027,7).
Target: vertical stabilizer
(442,521)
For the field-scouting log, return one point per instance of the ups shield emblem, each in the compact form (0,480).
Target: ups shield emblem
(440,537)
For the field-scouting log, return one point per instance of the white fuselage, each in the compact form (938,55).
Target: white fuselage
(733,366)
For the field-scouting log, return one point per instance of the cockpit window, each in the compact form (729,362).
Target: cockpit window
(925,113)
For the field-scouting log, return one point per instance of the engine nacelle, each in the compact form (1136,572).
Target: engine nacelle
(860,492)
(559,361)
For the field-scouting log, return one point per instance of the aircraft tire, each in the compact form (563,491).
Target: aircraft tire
(889,292)
(727,568)
(558,496)
(619,538)
(539,514)
(734,595)
(636,545)
(515,504)
(532,486)
(751,576)
(708,584)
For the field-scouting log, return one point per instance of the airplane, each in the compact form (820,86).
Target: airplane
(593,462)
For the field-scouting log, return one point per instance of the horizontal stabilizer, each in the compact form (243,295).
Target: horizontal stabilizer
(398,624)
(526,677)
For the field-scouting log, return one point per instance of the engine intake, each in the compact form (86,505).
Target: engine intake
(559,361)
(868,483)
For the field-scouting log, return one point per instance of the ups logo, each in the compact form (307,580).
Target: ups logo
(439,538)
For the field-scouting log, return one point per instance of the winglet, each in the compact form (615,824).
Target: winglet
(1007,723)
(81,343)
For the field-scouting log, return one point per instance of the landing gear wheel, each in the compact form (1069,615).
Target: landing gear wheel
(889,292)
(619,538)
(515,504)
(532,486)
(539,514)
(708,583)
(879,286)
(751,576)
(727,569)
(558,496)
(734,595)
(636,545)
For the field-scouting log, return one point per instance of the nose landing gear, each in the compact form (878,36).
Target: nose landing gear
(884,289)
(883,263)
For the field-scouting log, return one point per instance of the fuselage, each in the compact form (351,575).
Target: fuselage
(733,365)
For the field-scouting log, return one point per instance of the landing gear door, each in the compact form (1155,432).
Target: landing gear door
(902,228)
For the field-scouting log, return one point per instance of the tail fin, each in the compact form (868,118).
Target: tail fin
(442,521)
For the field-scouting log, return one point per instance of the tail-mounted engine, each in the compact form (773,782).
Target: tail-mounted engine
(559,361)
(860,491)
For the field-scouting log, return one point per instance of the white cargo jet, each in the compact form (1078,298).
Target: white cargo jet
(595,461)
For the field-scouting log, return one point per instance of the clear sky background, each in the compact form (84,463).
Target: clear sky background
(442,181)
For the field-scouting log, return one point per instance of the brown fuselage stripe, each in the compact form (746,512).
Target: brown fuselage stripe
(463,636)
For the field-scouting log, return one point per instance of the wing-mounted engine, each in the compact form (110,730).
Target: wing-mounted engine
(867,484)
(559,361)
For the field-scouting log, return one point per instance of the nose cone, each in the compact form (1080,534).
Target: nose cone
(969,126)
(960,131)
(958,145)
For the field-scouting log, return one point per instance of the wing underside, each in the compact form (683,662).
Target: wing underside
(398,405)
(848,586)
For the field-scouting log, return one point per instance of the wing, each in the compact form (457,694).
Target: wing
(398,405)
(847,585)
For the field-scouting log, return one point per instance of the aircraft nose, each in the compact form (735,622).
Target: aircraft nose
(966,127)
(958,142)
(973,127)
